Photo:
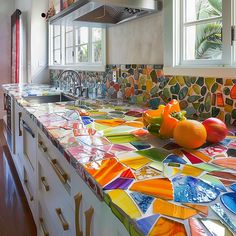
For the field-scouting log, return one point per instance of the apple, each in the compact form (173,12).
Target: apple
(216,130)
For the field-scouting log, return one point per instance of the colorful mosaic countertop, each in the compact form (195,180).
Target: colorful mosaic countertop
(153,186)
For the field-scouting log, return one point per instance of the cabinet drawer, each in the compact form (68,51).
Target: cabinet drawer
(56,162)
(29,143)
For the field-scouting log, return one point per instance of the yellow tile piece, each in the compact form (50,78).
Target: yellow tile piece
(191,171)
(228,108)
(135,162)
(167,227)
(122,200)
(169,209)
(180,79)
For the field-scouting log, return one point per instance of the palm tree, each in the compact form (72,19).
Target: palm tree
(209,36)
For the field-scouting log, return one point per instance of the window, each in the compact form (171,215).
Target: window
(77,46)
(200,32)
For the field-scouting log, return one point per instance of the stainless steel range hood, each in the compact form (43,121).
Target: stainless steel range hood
(108,12)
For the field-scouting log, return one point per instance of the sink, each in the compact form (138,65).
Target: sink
(48,99)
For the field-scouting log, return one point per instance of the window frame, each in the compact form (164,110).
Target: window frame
(84,66)
(172,46)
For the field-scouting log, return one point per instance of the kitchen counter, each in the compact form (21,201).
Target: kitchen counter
(153,186)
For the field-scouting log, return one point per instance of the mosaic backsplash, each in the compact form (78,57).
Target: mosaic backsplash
(147,85)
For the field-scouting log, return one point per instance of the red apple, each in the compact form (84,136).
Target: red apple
(216,130)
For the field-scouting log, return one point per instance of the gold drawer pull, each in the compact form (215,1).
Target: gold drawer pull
(88,218)
(78,199)
(42,146)
(64,223)
(45,184)
(43,228)
(62,175)
(27,188)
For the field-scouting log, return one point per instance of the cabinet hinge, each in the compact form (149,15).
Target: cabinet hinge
(232,34)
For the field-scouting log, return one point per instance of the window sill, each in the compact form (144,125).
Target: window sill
(94,68)
(207,71)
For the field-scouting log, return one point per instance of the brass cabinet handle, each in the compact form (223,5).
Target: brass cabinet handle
(28,190)
(88,217)
(43,227)
(19,120)
(45,184)
(5,101)
(64,223)
(78,199)
(42,146)
(62,175)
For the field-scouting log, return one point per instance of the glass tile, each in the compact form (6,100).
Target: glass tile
(233,187)
(196,227)
(128,174)
(134,161)
(174,159)
(118,131)
(224,175)
(143,201)
(157,166)
(224,217)
(154,153)
(167,227)
(155,187)
(145,224)
(188,189)
(213,181)
(119,183)
(200,208)
(146,173)
(214,150)
(123,200)
(170,170)
(208,167)
(93,140)
(191,171)
(193,159)
(140,145)
(172,210)
(201,155)
(111,122)
(226,162)
(215,227)
(229,201)
(123,139)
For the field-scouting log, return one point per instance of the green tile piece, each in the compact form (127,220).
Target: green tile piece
(173,81)
(208,102)
(193,98)
(183,93)
(187,81)
(200,81)
(154,90)
(175,89)
(215,111)
(107,199)
(117,213)
(209,82)
(219,81)
(154,154)
(123,139)
(214,88)
(174,97)
(227,119)
(166,93)
(201,108)
(205,115)
(229,101)
(234,114)
(153,75)
(209,167)
(133,231)
(180,79)
(226,91)
(203,90)
(197,89)
(196,105)
(193,80)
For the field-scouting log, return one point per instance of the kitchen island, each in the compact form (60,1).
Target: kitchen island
(90,166)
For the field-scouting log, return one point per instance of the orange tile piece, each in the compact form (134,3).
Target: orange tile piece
(106,171)
(233,92)
(161,188)
(226,162)
(220,100)
(111,122)
(200,155)
(166,227)
(200,208)
(169,209)
(196,228)
(191,171)
(137,124)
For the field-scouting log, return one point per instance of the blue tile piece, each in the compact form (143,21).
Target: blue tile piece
(174,159)
(143,201)
(86,120)
(147,223)
(229,201)
(233,187)
(141,145)
(191,190)
(217,208)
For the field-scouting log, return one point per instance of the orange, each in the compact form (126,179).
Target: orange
(190,134)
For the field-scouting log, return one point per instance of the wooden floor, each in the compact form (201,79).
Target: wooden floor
(15,216)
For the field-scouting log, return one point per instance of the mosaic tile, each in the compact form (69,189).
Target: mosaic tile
(196,228)
(154,154)
(215,227)
(146,173)
(233,187)
(147,223)
(154,187)
(213,181)
(224,175)
(226,162)
(119,183)
(172,210)
(191,190)
(143,201)
(167,227)
(224,216)
(229,201)
(200,208)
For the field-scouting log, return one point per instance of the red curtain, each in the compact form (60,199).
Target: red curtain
(15,46)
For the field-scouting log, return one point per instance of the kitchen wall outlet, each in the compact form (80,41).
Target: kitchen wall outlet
(114,76)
